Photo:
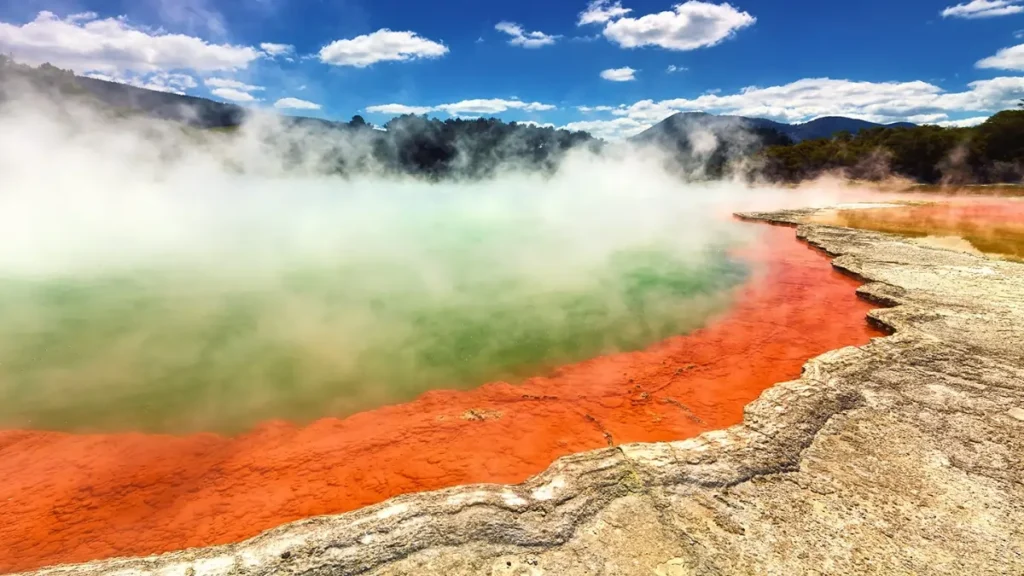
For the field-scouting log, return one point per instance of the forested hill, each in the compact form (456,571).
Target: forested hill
(191,110)
(702,145)
(455,147)
(58,83)
(412,145)
(990,153)
(706,146)
(714,146)
(824,127)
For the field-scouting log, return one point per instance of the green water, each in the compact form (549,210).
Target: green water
(186,348)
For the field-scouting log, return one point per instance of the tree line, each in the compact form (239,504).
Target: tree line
(990,153)
(423,147)
(471,148)
(406,145)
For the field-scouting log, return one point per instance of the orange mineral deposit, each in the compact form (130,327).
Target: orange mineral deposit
(77,497)
(990,225)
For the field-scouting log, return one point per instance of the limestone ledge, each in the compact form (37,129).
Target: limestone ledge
(903,456)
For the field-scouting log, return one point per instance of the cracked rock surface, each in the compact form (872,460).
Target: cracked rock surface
(904,456)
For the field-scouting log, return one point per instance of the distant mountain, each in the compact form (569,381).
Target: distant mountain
(17,80)
(706,146)
(683,123)
(192,110)
(827,126)
(689,125)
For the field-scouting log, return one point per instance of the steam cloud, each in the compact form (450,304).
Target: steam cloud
(158,277)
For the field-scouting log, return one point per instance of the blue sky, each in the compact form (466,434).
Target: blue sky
(613,68)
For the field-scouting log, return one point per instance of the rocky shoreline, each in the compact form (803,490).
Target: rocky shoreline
(902,456)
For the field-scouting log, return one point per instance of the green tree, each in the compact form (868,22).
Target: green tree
(997,149)
(921,153)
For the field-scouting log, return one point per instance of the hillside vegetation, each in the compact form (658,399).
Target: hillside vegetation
(407,145)
(777,132)
(990,153)
(700,146)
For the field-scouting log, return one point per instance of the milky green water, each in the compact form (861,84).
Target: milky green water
(186,348)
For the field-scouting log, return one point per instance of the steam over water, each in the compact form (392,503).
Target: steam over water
(161,279)
(145,285)
(379,295)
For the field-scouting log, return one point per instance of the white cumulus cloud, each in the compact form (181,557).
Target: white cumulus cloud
(810,98)
(1011,58)
(983,9)
(233,90)
(229,83)
(463,108)
(273,49)
(610,129)
(295,104)
(174,83)
(520,37)
(626,74)
(491,106)
(691,25)
(601,11)
(963,122)
(234,95)
(382,46)
(928,118)
(398,109)
(86,43)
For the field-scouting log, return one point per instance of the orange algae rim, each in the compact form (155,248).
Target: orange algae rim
(72,498)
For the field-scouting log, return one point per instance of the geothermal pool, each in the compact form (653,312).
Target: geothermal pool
(651,344)
(200,350)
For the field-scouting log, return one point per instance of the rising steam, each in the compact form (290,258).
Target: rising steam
(158,277)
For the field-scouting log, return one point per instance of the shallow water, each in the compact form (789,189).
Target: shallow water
(197,350)
(990,225)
